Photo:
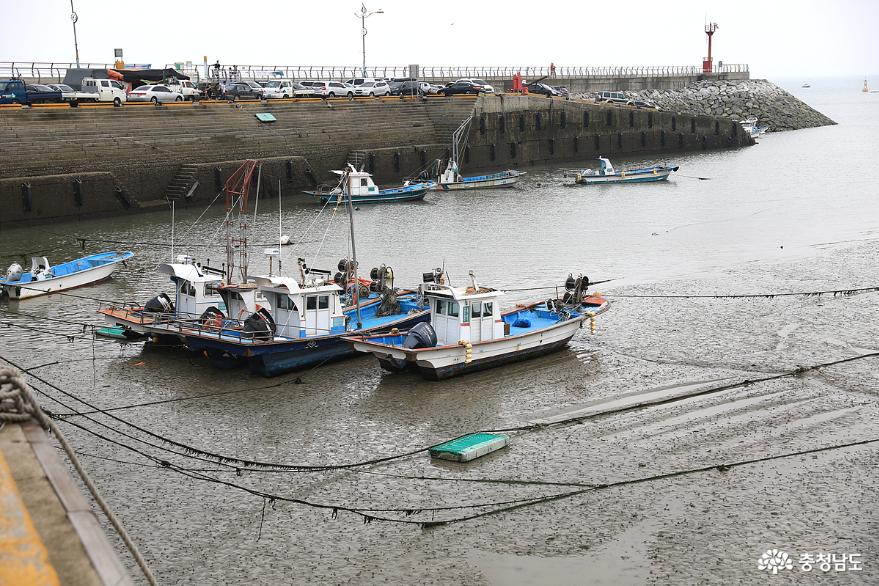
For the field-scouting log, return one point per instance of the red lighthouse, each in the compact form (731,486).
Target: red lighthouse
(707,65)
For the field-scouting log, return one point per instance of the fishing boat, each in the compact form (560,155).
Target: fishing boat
(806,85)
(450,178)
(364,190)
(751,127)
(607,174)
(44,278)
(468,332)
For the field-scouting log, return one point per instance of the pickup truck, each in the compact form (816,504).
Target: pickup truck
(12,91)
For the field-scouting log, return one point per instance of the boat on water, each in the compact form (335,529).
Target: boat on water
(468,332)
(607,174)
(806,85)
(44,278)
(364,191)
(450,178)
(751,127)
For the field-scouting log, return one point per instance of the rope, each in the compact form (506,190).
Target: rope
(13,385)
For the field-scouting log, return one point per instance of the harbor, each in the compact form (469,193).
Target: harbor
(502,325)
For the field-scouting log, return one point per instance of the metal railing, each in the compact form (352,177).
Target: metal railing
(52,71)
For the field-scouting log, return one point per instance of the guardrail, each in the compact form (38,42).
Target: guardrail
(52,71)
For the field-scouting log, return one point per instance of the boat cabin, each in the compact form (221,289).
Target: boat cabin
(469,313)
(303,311)
(605,167)
(194,288)
(451,174)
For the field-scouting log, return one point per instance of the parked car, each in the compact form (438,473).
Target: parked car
(185,88)
(541,89)
(611,97)
(102,90)
(411,88)
(286,88)
(13,91)
(68,94)
(643,104)
(460,87)
(358,81)
(242,90)
(434,89)
(395,82)
(486,87)
(332,89)
(372,88)
(155,94)
(563,91)
(38,93)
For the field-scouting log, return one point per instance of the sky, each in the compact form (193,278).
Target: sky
(778,39)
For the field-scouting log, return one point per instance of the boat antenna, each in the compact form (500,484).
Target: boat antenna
(353,248)
(172,230)
(279,227)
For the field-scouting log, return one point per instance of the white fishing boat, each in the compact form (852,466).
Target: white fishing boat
(450,178)
(751,127)
(468,331)
(43,278)
(607,174)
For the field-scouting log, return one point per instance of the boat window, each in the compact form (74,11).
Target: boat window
(466,314)
(476,309)
(311,302)
(488,309)
(284,302)
(211,289)
(440,306)
(363,182)
(453,308)
(235,296)
(323,302)
(186,288)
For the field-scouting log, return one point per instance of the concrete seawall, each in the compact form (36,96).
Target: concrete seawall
(739,99)
(83,162)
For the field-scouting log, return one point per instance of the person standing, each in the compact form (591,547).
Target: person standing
(552,69)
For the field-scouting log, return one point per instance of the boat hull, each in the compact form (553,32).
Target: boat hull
(487,183)
(448,361)
(638,178)
(62,283)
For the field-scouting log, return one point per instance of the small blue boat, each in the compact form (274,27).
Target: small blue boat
(364,190)
(44,278)
(607,174)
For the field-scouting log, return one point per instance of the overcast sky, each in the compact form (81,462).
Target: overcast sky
(806,39)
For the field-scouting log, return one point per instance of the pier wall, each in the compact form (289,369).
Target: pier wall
(92,161)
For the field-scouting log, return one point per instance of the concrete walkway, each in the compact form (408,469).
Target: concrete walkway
(48,533)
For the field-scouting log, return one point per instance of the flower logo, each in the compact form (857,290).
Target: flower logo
(774,560)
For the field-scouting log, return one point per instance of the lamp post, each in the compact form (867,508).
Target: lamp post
(363,14)
(73,19)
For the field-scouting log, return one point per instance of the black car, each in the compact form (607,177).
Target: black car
(240,90)
(542,89)
(38,93)
(460,87)
(409,88)
(395,83)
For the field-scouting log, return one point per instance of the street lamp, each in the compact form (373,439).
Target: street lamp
(73,19)
(363,14)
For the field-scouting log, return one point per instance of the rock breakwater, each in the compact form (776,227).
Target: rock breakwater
(739,99)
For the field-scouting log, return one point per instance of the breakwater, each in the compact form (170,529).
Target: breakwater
(82,162)
(738,99)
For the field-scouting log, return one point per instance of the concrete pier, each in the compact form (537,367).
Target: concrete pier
(81,162)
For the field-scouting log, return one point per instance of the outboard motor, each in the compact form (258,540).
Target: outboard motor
(161,303)
(259,326)
(422,335)
(14,272)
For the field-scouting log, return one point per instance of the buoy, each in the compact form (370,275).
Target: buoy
(285,240)
(468,351)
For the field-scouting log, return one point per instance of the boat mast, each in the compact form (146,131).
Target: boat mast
(280,237)
(353,250)
(237,188)
(172,230)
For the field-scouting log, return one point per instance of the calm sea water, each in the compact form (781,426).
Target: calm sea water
(778,201)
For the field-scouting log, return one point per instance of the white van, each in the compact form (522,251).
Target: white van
(185,88)
(102,90)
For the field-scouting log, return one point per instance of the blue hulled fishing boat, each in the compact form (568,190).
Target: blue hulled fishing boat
(44,278)
(607,174)
(364,190)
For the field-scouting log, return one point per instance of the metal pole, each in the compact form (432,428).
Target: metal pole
(354,254)
(363,36)
(74,18)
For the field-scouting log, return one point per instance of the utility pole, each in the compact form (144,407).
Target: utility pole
(363,14)
(73,19)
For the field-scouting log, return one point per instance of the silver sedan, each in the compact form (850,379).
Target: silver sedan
(154,94)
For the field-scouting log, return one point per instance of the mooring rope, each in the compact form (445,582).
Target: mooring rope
(17,404)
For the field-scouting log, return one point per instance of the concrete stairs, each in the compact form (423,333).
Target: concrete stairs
(184,184)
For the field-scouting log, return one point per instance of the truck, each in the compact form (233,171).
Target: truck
(101,90)
(13,91)
(185,87)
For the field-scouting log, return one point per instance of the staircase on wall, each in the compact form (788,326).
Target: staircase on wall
(184,184)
